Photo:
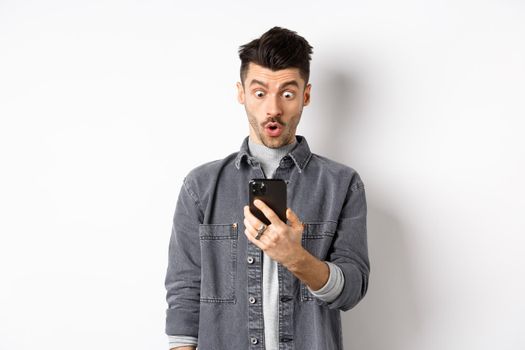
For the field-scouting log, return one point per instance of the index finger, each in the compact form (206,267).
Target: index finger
(268,212)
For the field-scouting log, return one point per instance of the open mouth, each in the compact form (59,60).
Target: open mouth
(273,129)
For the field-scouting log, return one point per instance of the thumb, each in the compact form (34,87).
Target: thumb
(293,219)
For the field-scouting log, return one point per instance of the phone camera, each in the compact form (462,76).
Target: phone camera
(258,188)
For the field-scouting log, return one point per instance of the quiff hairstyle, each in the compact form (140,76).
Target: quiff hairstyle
(278,48)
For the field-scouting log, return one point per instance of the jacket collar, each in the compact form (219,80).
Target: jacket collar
(300,154)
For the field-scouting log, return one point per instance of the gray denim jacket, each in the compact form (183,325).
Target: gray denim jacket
(214,276)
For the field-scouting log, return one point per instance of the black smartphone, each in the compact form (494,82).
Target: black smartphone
(273,193)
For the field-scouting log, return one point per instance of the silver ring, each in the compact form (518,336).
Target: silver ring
(260,231)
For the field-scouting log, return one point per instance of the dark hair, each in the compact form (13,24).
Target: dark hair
(278,48)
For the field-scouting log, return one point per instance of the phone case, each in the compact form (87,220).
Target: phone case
(270,191)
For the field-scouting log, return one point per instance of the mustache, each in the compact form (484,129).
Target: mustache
(273,120)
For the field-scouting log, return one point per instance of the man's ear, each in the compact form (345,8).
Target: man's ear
(306,95)
(240,93)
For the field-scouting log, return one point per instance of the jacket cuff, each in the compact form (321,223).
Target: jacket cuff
(182,322)
(355,287)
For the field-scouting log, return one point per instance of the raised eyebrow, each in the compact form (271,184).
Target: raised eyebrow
(285,84)
(258,82)
(291,82)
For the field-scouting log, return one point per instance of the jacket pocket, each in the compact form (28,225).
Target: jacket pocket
(317,239)
(218,262)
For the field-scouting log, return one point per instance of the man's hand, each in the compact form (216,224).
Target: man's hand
(279,241)
(282,243)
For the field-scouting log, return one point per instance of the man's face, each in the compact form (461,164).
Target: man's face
(274,103)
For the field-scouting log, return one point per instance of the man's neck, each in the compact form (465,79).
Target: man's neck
(269,157)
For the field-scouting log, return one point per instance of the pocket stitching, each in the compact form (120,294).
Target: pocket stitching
(233,237)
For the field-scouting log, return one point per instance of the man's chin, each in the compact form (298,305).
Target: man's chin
(274,142)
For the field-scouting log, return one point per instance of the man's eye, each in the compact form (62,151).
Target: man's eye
(288,94)
(259,93)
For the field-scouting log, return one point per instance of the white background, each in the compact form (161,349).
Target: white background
(106,105)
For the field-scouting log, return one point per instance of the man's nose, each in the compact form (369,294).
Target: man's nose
(273,106)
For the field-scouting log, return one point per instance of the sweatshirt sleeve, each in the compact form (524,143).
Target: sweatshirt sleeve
(180,340)
(333,287)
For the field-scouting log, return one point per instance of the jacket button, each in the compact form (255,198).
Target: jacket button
(254,340)
(250,260)
(252,300)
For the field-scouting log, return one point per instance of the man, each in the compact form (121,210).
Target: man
(234,283)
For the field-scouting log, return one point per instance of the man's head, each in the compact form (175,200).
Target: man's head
(274,85)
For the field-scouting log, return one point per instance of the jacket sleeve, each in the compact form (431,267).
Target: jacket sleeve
(350,249)
(184,267)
